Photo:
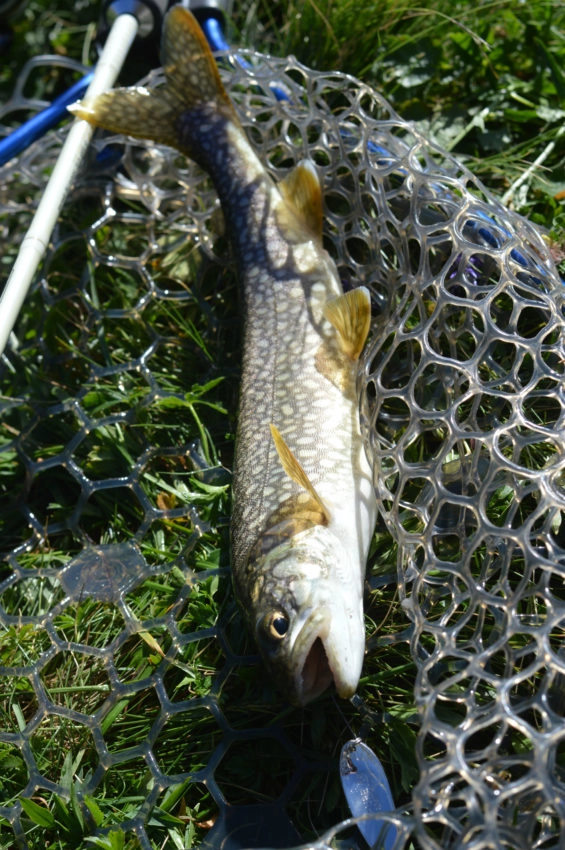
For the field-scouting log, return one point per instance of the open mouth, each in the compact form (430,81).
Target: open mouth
(322,659)
(316,673)
(321,655)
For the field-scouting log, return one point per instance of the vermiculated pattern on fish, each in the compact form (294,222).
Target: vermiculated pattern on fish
(304,506)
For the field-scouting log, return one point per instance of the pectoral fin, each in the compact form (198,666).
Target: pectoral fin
(301,189)
(350,314)
(294,470)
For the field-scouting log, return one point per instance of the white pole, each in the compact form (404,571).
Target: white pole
(36,240)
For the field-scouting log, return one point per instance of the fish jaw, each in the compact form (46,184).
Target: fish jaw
(299,583)
(323,654)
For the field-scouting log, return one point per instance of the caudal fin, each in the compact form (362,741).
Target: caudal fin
(192,78)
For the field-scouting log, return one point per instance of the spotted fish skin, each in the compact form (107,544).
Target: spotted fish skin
(303,502)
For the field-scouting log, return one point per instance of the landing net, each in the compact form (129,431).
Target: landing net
(129,696)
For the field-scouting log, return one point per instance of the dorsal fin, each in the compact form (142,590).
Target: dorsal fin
(294,469)
(301,189)
(350,314)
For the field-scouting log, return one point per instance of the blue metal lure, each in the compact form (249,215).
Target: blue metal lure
(367,791)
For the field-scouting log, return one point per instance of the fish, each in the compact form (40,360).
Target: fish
(303,506)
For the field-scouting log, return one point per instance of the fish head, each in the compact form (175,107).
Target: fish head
(307,612)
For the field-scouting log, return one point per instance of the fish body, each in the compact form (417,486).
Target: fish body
(303,502)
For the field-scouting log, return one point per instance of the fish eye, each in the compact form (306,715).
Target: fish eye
(276,624)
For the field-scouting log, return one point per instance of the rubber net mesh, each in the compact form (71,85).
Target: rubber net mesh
(107,668)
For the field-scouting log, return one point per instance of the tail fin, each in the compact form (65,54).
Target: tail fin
(192,78)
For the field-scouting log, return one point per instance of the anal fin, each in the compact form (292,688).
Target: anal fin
(350,314)
(295,470)
(302,191)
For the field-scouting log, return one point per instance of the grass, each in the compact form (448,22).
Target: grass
(485,81)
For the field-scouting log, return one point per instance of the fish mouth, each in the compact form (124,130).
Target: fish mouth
(316,674)
(319,664)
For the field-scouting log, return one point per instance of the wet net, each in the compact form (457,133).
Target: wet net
(130,699)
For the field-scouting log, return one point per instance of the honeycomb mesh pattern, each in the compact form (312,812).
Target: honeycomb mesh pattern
(462,411)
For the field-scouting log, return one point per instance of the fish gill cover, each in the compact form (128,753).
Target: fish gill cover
(132,709)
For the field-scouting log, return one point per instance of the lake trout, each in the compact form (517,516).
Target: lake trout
(303,502)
